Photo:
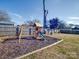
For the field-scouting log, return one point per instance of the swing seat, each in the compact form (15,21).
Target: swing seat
(38,38)
(41,36)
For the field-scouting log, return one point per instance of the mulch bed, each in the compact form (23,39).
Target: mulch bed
(11,48)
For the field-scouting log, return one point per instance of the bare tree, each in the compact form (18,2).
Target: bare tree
(31,22)
(36,21)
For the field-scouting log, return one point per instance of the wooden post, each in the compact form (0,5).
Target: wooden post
(21,30)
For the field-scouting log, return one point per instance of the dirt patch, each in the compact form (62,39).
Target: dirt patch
(11,48)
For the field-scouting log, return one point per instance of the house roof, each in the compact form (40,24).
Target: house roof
(4,22)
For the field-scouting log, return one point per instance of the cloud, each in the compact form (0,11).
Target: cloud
(73,20)
(17,18)
(17,15)
(76,18)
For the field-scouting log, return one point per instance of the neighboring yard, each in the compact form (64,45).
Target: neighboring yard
(68,49)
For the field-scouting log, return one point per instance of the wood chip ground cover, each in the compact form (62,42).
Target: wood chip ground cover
(11,48)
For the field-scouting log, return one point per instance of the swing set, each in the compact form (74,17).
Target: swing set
(37,34)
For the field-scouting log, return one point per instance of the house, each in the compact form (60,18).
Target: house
(76,27)
(6,24)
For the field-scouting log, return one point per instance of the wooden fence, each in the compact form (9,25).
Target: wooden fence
(11,31)
(7,31)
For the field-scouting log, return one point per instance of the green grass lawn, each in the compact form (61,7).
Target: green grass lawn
(68,49)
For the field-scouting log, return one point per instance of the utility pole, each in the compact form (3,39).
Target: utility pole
(44,15)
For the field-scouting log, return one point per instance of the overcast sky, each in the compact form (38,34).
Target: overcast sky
(22,10)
